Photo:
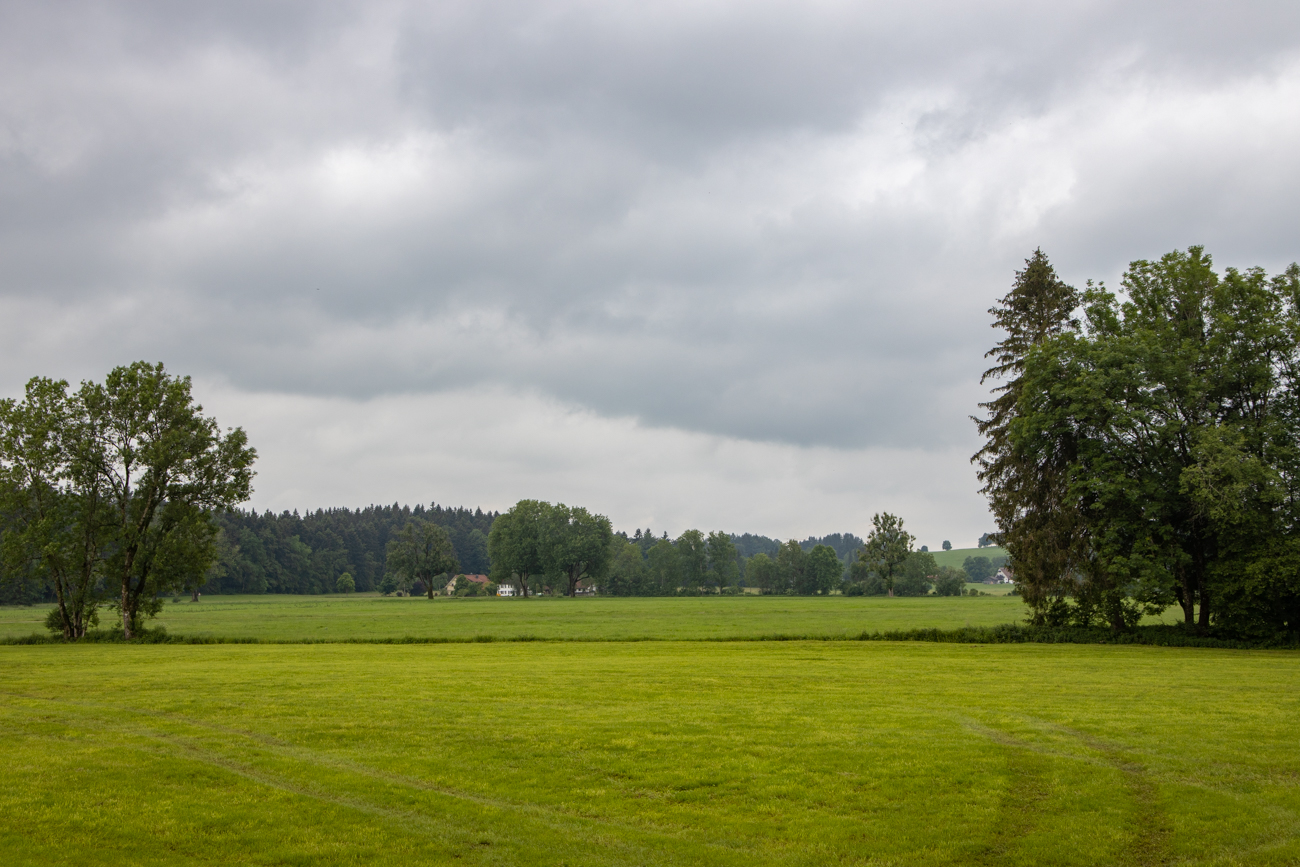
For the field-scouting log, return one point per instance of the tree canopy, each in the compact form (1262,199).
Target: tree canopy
(116,486)
(1149,452)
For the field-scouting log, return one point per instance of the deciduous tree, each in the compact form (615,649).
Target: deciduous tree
(886,548)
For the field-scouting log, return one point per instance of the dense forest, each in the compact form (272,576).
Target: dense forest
(292,553)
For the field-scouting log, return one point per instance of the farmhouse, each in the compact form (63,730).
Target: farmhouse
(505,590)
(450,589)
(1004,576)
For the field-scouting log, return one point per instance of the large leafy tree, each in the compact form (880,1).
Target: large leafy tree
(420,552)
(1167,425)
(57,525)
(165,469)
(886,549)
(119,483)
(517,543)
(577,545)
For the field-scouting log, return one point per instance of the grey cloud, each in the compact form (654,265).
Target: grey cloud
(774,222)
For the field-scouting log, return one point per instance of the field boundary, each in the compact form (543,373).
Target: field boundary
(1011,633)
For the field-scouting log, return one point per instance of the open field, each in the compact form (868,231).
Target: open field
(803,753)
(371,616)
(957,556)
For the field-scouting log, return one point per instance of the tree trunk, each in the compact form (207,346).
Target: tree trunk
(195,597)
(1186,600)
(1204,624)
(126,611)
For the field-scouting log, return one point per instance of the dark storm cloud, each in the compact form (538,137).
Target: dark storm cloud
(772,221)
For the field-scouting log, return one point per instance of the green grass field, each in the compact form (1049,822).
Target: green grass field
(370,616)
(805,753)
(957,556)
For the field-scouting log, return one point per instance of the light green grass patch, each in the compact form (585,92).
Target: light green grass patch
(597,618)
(804,753)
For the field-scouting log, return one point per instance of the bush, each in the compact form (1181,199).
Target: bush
(388,586)
(345,584)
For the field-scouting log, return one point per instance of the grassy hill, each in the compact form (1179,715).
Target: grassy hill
(957,556)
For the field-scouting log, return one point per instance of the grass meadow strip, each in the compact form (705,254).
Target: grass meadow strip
(1154,636)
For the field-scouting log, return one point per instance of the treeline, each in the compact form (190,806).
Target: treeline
(537,547)
(292,553)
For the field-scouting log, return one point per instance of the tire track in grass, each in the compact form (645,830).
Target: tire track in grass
(557,820)
(1022,804)
(1149,830)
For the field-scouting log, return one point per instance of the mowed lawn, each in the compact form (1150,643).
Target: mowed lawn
(648,753)
(599,618)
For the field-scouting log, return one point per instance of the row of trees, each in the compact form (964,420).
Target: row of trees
(539,547)
(1143,449)
(108,493)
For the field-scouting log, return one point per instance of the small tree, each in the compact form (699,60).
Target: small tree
(419,552)
(345,584)
(723,568)
(978,568)
(950,582)
(947,546)
(886,548)
(822,571)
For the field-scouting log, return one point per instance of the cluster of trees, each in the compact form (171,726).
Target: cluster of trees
(1143,449)
(108,494)
(539,546)
(288,553)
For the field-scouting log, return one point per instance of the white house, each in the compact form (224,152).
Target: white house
(505,590)
(1004,576)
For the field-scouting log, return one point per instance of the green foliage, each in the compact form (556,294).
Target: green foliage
(916,574)
(663,568)
(949,582)
(947,546)
(576,545)
(886,549)
(421,552)
(821,572)
(116,483)
(692,558)
(345,584)
(1150,453)
(761,571)
(724,570)
(517,544)
(292,553)
(978,569)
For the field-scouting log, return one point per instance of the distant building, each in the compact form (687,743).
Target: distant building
(505,590)
(584,589)
(1004,576)
(481,580)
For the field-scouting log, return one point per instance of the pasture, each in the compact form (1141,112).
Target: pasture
(294,618)
(789,753)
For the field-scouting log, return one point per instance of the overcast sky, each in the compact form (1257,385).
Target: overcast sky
(715,265)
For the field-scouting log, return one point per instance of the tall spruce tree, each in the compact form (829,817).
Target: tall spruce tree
(1027,492)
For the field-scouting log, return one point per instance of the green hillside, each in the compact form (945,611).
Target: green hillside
(957,556)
